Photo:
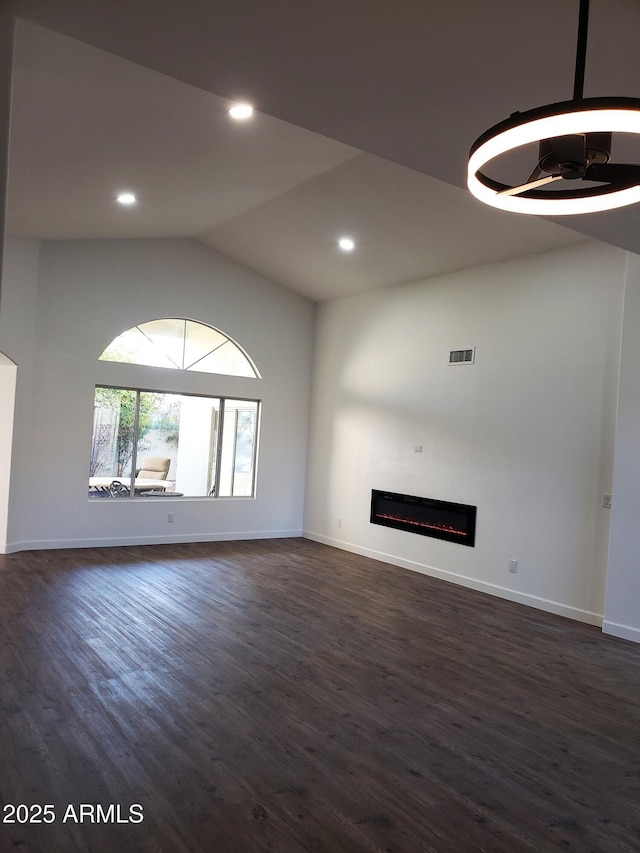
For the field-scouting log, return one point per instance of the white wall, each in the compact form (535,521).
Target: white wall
(7,369)
(623,579)
(526,433)
(89,291)
(7,29)
(7,398)
(18,319)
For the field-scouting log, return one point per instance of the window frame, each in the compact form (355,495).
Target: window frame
(190,368)
(222,398)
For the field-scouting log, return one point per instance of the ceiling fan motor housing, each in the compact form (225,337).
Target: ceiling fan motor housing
(571,155)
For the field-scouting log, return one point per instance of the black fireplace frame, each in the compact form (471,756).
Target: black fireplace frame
(466,535)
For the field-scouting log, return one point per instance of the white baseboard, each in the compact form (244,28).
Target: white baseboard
(624,632)
(545,604)
(56,544)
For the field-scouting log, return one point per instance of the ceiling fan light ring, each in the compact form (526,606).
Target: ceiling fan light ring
(595,200)
(593,115)
(560,108)
(559,195)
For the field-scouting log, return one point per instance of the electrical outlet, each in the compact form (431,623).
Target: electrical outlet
(417,448)
(170,518)
(513,566)
(606,501)
(339,522)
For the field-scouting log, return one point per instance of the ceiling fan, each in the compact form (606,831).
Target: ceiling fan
(574,147)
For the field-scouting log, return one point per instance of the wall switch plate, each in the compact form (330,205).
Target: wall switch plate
(513,566)
(417,448)
(170,518)
(606,501)
(339,522)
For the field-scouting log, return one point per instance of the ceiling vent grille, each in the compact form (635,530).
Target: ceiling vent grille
(462,356)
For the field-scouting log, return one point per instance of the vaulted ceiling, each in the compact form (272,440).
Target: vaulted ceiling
(366,112)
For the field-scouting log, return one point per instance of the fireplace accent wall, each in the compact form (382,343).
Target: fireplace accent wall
(426,516)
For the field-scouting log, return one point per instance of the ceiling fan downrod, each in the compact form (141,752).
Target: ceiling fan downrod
(581,50)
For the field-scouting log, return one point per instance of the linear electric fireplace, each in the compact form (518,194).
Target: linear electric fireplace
(429,517)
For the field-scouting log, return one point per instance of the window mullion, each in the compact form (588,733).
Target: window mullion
(216,492)
(134,450)
(233,452)
(254,461)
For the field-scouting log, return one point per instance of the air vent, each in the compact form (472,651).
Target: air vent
(462,356)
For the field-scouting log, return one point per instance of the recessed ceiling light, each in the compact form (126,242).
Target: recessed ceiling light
(241,111)
(126,198)
(346,244)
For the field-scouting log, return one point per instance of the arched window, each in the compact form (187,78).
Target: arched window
(148,443)
(182,345)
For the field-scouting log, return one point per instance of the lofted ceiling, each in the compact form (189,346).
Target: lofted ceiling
(366,111)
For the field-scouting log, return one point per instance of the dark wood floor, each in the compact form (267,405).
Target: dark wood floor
(285,696)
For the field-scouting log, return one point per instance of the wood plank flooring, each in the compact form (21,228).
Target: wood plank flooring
(284,696)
